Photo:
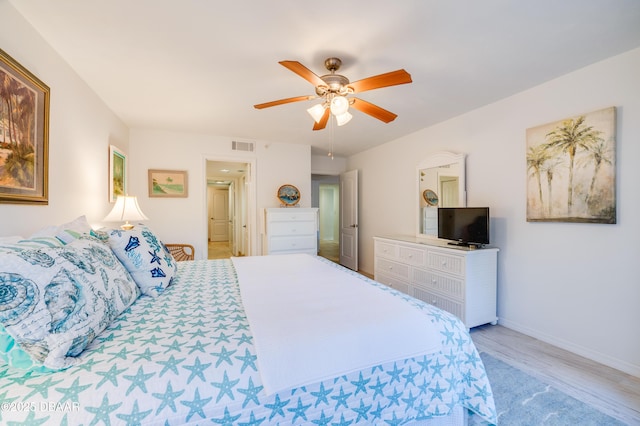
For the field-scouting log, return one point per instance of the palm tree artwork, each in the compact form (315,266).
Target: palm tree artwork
(571,170)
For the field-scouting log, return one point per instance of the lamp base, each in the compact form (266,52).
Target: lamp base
(127,226)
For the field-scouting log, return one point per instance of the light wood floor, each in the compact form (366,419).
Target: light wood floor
(219,250)
(611,391)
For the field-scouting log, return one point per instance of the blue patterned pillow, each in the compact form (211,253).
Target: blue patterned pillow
(145,257)
(55,300)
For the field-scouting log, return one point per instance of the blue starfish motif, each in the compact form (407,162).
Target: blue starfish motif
(154,257)
(138,380)
(410,400)
(170,364)
(136,416)
(168,398)
(228,419)
(277,407)
(252,421)
(362,411)
(42,389)
(111,375)
(395,373)
(147,354)
(299,410)
(341,399)
(482,392)
(437,368)
(394,420)
(361,384)
(224,356)
(437,392)
(122,354)
(449,335)
(343,421)
(251,393)
(197,370)
(197,347)
(244,339)
(226,387)
(378,388)
(321,395)
(377,413)
(248,360)
(453,381)
(198,333)
(394,398)
(175,346)
(473,358)
(409,377)
(103,412)
(323,420)
(195,406)
(71,393)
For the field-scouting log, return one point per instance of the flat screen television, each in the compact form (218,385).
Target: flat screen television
(465,226)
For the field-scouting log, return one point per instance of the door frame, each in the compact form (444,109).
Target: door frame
(250,193)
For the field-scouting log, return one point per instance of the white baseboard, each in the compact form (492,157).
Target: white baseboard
(607,360)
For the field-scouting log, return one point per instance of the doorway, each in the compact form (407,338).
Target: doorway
(228,209)
(326,197)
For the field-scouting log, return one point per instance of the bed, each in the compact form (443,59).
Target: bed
(190,355)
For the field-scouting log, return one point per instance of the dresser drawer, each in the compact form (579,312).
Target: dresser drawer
(412,256)
(292,243)
(388,267)
(445,284)
(292,228)
(386,250)
(444,303)
(446,263)
(291,216)
(392,282)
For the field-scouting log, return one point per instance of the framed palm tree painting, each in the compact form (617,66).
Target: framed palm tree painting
(571,169)
(24,134)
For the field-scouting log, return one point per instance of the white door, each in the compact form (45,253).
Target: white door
(232,219)
(349,219)
(219,221)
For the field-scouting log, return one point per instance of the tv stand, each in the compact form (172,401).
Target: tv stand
(463,244)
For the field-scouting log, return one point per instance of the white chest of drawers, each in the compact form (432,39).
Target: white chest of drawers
(457,280)
(292,230)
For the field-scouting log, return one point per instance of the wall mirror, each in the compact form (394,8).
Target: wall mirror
(441,183)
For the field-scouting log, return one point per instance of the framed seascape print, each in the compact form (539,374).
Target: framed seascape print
(168,183)
(571,169)
(117,173)
(24,135)
(288,195)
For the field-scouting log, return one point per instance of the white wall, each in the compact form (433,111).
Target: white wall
(184,220)
(573,285)
(81,129)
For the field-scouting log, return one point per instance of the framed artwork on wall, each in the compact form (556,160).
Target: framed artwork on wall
(24,135)
(117,173)
(168,183)
(571,169)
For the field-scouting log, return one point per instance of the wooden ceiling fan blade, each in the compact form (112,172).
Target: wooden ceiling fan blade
(303,72)
(392,78)
(373,110)
(323,121)
(283,101)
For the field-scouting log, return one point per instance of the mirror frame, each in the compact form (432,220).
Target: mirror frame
(440,159)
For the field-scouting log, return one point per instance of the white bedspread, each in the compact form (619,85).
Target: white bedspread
(312,321)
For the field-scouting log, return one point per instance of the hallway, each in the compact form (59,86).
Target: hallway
(220,250)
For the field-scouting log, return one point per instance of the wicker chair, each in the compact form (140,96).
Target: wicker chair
(181,252)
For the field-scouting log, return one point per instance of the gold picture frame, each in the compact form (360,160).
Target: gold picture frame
(168,183)
(24,142)
(117,173)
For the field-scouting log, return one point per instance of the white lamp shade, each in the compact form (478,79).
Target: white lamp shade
(339,105)
(126,209)
(316,111)
(343,118)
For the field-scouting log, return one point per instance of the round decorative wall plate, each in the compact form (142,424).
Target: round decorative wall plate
(288,195)
(430,197)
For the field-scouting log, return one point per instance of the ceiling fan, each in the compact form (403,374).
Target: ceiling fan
(335,90)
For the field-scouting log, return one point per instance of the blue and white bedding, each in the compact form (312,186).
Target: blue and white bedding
(188,356)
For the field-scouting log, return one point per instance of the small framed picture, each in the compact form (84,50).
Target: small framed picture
(168,183)
(117,173)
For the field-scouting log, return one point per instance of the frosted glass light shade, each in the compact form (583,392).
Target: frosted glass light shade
(126,209)
(339,105)
(316,111)
(344,118)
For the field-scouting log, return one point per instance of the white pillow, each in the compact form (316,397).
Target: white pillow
(58,299)
(146,258)
(66,232)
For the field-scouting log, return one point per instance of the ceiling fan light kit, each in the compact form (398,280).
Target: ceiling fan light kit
(334,88)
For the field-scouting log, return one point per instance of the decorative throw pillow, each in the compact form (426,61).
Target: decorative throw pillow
(66,232)
(55,300)
(145,257)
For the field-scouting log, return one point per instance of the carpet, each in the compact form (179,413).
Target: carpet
(524,400)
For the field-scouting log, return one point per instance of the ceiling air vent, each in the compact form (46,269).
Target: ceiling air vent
(242,146)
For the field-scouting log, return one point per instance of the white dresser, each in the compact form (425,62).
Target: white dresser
(456,279)
(291,230)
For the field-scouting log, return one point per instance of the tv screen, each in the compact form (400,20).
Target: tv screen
(465,225)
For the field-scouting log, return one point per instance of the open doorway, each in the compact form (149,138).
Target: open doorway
(228,230)
(326,197)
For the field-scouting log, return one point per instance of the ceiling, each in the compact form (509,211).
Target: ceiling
(200,66)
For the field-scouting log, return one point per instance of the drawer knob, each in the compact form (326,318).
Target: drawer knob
(434,302)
